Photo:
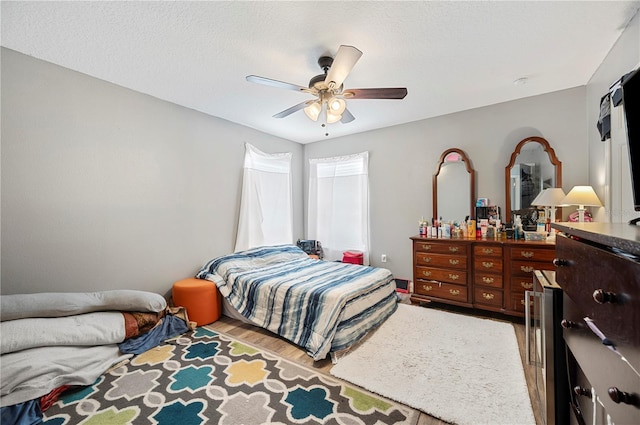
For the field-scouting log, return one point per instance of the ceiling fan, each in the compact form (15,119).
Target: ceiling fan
(330,102)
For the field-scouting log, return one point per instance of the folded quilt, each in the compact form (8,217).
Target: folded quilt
(98,328)
(61,304)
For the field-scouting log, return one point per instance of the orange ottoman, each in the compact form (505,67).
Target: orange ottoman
(200,298)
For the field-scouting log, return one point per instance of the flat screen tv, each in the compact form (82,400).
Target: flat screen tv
(631,102)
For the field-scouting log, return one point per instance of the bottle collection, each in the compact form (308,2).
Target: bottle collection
(471,229)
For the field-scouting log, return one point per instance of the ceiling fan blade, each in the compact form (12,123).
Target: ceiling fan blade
(347,117)
(343,63)
(293,109)
(380,93)
(275,83)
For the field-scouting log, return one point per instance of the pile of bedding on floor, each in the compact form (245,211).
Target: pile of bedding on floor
(54,341)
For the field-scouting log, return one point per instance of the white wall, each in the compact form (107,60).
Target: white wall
(404,158)
(106,188)
(609,160)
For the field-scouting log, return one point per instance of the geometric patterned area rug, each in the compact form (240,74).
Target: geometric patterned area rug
(207,377)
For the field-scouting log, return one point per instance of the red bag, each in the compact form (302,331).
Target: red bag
(353,257)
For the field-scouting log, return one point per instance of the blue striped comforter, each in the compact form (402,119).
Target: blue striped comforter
(319,305)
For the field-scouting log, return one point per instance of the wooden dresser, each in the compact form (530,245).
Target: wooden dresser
(484,274)
(598,268)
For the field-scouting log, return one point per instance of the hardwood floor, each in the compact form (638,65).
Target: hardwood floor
(269,341)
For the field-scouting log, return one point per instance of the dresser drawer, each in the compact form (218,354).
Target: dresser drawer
(517,302)
(532,253)
(441,290)
(452,276)
(604,368)
(441,260)
(519,284)
(606,287)
(487,250)
(526,268)
(441,247)
(487,264)
(487,296)
(488,279)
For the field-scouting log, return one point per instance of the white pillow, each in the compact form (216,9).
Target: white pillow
(60,304)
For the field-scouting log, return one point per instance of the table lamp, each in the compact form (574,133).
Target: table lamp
(582,196)
(550,198)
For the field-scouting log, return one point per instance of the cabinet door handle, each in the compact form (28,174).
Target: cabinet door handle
(454,262)
(621,397)
(487,279)
(454,291)
(454,276)
(578,390)
(568,324)
(527,269)
(527,254)
(559,262)
(454,249)
(601,296)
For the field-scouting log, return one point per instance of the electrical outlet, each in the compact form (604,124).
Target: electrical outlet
(383,258)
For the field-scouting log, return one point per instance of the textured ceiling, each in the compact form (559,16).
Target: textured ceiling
(451,56)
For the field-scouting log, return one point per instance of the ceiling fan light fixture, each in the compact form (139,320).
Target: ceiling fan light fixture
(333,118)
(313,111)
(337,105)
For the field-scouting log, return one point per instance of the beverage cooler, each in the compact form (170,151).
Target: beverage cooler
(545,348)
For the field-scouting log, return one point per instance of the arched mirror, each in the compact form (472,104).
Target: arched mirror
(454,185)
(532,168)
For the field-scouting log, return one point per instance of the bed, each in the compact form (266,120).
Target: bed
(323,307)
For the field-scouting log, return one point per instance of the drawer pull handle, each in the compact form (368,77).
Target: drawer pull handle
(527,269)
(487,279)
(487,296)
(487,251)
(526,285)
(601,297)
(487,264)
(454,291)
(425,247)
(527,254)
(578,390)
(454,276)
(522,301)
(426,272)
(427,287)
(453,249)
(454,262)
(568,324)
(621,397)
(559,262)
(426,259)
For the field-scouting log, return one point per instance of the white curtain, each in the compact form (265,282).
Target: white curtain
(266,206)
(338,208)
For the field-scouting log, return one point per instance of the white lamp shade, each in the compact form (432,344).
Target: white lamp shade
(582,196)
(313,111)
(551,197)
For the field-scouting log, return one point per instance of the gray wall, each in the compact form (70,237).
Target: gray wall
(106,188)
(403,159)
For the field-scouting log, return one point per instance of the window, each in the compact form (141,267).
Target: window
(266,207)
(338,207)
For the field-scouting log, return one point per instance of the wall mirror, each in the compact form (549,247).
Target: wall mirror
(532,168)
(454,186)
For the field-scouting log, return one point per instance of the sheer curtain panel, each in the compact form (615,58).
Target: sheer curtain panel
(266,216)
(338,207)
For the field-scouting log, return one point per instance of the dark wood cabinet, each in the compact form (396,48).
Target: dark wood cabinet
(489,274)
(599,272)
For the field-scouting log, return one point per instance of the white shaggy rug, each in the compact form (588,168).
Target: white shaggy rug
(460,369)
